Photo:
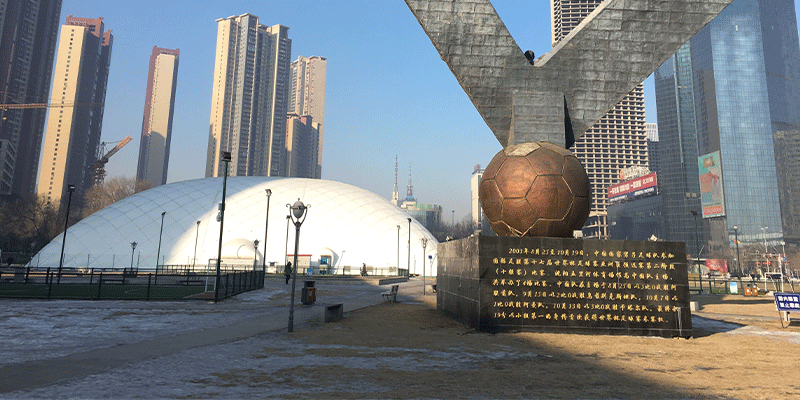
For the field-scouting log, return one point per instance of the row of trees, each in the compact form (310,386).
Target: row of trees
(30,223)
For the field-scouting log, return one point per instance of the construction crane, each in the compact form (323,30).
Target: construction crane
(6,107)
(99,166)
(45,105)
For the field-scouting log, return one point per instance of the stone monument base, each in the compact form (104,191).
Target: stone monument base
(497,284)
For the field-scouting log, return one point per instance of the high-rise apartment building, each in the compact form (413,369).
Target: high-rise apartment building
(653,147)
(73,132)
(159,105)
(617,141)
(734,89)
(307,97)
(302,144)
(28,32)
(250,97)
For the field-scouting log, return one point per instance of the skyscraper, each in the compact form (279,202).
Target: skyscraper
(159,105)
(250,97)
(302,141)
(73,132)
(653,147)
(678,174)
(734,89)
(307,97)
(28,32)
(617,141)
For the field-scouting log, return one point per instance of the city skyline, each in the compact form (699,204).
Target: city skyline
(388,92)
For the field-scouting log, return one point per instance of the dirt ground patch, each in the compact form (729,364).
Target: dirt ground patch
(425,354)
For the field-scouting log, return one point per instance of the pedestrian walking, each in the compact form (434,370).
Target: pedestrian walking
(288,271)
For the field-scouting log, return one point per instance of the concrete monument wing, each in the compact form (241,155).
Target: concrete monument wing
(568,89)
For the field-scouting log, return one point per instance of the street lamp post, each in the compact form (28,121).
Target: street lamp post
(424,244)
(398,249)
(266,230)
(196,237)
(70,189)
(697,249)
(766,251)
(298,214)
(133,250)
(158,253)
(408,262)
(286,247)
(738,260)
(782,264)
(225,157)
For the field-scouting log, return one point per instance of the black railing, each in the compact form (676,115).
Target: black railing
(721,285)
(26,282)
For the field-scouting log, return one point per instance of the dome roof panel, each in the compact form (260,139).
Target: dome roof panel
(341,219)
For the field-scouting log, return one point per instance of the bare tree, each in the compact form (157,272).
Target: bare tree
(111,191)
(29,224)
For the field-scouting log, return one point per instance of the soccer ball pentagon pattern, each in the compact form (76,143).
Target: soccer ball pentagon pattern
(535,189)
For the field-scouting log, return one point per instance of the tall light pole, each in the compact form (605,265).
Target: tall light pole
(286,247)
(266,229)
(225,157)
(424,244)
(408,261)
(299,211)
(398,249)
(697,249)
(158,253)
(766,252)
(453,224)
(738,260)
(133,250)
(782,263)
(70,189)
(196,237)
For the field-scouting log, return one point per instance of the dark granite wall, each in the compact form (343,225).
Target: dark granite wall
(566,285)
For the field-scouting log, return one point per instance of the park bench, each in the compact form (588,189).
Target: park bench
(112,279)
(391,295)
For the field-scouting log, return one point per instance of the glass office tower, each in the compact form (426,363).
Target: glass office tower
(734,88)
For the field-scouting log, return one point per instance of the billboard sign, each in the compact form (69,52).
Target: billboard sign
(712,196)
(626,174)
(720,265)
(640,186)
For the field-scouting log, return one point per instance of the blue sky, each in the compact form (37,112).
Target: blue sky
(388,92)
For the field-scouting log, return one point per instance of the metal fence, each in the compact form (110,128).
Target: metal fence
(27,282)
(719,285)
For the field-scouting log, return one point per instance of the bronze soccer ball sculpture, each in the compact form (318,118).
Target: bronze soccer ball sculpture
(535,189)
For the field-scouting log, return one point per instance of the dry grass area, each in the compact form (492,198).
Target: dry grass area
(427,355)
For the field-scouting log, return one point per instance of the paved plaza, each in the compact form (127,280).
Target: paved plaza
(239,348)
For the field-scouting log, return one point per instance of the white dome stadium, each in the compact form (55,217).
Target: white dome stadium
(345,225)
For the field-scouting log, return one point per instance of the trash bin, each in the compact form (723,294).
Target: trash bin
(308,295)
